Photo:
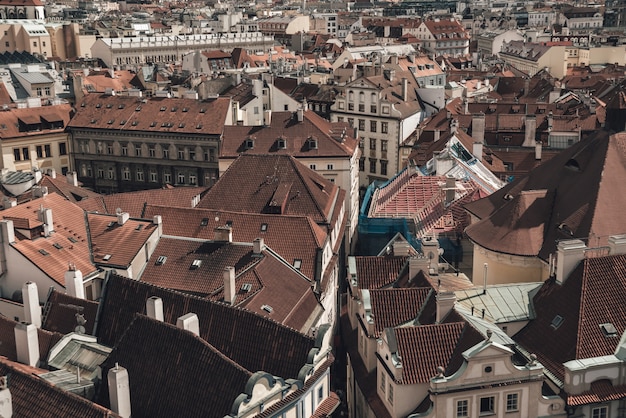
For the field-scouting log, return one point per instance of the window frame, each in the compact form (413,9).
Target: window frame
(512,402)
(490,407)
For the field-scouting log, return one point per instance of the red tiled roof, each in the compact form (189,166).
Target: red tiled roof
(173,372)
(69,226)
(47,340)
(523,217)
(277,184)
(62,310)
(10,120)
(327,407)
(187,116)
(276,231)
(61,186)
(378,272)
(296,134)
(237,333)
(33,397)
(424,348)
(600,391)
(394,307)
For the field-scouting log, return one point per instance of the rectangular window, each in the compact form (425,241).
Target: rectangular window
(39,150)
(39,91)
(361,164)
(600,412)
(383,145)
(34,43)
(192,179)
(124,150)
(350,106)
(312,166)
(361,107)
(329,167)
(181,178)
(384,127)
(110,149)
(372,126)
(126,174)
(487,406)
(372,165)
(25,154)
(47,91)
(16,154)
(138,151)
(511,402)
(373,108)
(361,124)
(372,143)
(390,394)
(47,151)
(167,178)
(100,173)
(339,118)
(152,152)
(181,154)
(166,153)
(192,155)
(383,167)
(386,110)
(111,174)
(462,408)
(383,381)
(139,175)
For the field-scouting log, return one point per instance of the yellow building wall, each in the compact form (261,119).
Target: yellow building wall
(56,161)
(506,269)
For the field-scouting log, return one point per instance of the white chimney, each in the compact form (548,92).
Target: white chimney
(258,246)
(52,173)
(450,189)
(189,322)
(477,150)
(154,308)
(405,89)
(267,117)
(538,151)
(8,231)
(569,254)
(27,343)
(617,244)
(74,283)
(158,221)
(401,248)
(230,293)
(223,233)
(122,217)
(445,303)
(72,178)
(6,403)
(119,390)
(45,216)
(416,264)
(32,310)
(430,249)
(300,114)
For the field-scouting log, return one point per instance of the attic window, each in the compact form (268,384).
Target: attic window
(249,143)
(161,260)
(44,252)
(72,239)
(139,227)
(297,263)
(267,308)
(195,265)
(557,321)
(106,257)
(263,227)
(123,122)
(82,104)
(229,224)
(163,108)
(204,222)
(110,122)
(93,121)
(199,126)
(181,125)
(98,105)
(138,108)
(246,287)
(281,143)
(134,123)
(312,143)
(608,329)
(203,110)
(153,124)
(122,106)
(57,246)
(109,106)
(174,109)
(111,224)
(185,109)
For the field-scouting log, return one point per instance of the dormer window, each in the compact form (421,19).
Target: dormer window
(281,143)
(249,143)
(313,143)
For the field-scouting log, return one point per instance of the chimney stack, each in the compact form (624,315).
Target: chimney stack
(45,216)
(300,114)
(223,234)
(569,254)
(6,403)
(27,343)
(230,292)
(8,231)
(258,246)
(32,310)
(454,126)
(122,217)
(445,303)
(530,131)
(154,308)
(74,282)
(538,147)
(405,89)
(477,150)
(478,127)
(119,391)
(52,173)
(72,178)
(450,189)
(267,117)
(416,264)
(189,322)
(158,221)
(617,244)
(401,249)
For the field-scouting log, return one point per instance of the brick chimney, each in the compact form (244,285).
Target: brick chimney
(74,282)
(569,254)
(119,391)
(230,291)
(189,322)
(154,308)
(223,234)
(27,343)
(32,309)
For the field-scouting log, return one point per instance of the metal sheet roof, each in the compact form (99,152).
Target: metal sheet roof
(502,303)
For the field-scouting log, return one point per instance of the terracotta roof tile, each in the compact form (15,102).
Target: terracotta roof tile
(394,307)
(276,231)
(47,340)
(327,407)
(70,234)
(61,186)
(99,111)
(62,310)
(378,272)
(235,332)
(601,391)
(172,372)
(43,120)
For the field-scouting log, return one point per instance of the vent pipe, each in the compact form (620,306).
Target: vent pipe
(485,268)
(32,310)
(119,390)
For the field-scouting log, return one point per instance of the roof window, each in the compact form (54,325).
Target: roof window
(138,109)
(199,126)
(57,246)
(608,329)
(246,287)
(44,252)
(72,239)
(297,263)
(153,124)
(263,227)
(110,122)
(185,109)
(204,222)
(195,265)
(203,110)
(163,108)
(139,227)
(181,125)
(161,260)
(106,257)
(267,308)
(122,106)
(557,321)
(98,105)
(109,106)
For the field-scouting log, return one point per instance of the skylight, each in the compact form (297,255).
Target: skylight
(106,257)
(161,260)
(297,263)
(44,252)
(263,227)
(246,287)
(557,321)
(267,308)
(195,265)
(204,222)
(57,246)
(608,329)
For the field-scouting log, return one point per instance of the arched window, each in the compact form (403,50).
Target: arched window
(361,97)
